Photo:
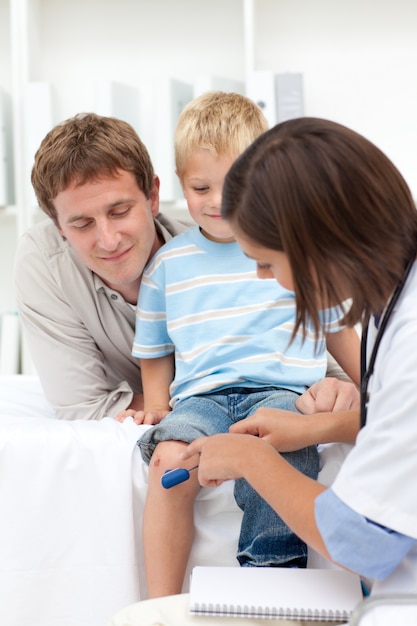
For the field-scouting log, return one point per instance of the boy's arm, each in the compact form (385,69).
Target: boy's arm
(157,376)
(344,346)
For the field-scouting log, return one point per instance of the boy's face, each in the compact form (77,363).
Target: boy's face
(202,183)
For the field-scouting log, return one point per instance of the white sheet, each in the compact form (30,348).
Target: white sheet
(71,496)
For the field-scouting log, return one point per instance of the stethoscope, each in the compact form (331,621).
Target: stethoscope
(367,371)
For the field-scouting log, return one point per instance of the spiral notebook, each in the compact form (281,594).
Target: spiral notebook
(279,593)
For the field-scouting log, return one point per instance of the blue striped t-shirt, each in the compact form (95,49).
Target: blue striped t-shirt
(203,301)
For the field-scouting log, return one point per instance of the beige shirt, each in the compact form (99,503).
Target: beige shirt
(79,331)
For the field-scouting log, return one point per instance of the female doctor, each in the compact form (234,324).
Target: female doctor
(325,212)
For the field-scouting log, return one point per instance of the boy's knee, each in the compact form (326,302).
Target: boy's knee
(167,455)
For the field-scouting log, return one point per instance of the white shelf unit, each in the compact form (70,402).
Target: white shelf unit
(357,61)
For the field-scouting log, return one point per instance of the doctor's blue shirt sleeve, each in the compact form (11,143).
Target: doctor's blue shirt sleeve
(356,542)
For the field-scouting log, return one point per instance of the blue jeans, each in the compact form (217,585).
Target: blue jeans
(265,541)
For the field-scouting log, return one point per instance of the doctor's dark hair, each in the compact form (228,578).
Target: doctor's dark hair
(334,204)
(85,148)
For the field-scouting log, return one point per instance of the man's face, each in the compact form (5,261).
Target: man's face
(109,224)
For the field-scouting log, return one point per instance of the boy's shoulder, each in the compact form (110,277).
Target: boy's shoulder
(187,237)
(192,247)
(168,250)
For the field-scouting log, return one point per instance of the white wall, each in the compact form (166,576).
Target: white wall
(7,248)
(359,63)
(135,41)
(5,69)
(358,58)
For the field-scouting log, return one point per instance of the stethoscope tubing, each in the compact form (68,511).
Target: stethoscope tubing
(367,369)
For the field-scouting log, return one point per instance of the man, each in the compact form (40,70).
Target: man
(78,274)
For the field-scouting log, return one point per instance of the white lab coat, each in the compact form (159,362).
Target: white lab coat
(378,477)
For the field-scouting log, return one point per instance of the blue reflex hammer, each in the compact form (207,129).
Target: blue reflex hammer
(176,476)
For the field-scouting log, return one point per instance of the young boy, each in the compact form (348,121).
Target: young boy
(214,344)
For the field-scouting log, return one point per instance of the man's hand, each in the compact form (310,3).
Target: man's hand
(329,394)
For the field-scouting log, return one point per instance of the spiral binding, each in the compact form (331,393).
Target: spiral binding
(225,610)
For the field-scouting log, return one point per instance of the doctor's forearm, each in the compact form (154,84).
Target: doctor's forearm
(336,426)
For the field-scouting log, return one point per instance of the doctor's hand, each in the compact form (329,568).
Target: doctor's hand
(329,394)
(286,431)
(224,457)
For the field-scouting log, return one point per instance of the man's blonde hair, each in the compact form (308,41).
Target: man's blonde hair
(221,122)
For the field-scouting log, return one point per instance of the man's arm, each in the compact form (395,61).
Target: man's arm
(73,357)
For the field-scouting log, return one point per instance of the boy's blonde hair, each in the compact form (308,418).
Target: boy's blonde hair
(221,122)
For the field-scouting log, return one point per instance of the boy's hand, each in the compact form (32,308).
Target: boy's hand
(148,416)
